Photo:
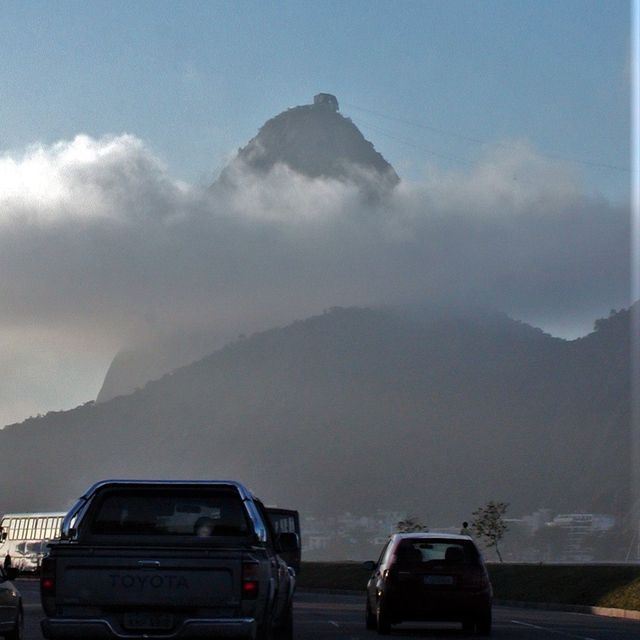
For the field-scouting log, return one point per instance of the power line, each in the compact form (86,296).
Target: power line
(364,125)
(417,124)
(601,165)
(392,136)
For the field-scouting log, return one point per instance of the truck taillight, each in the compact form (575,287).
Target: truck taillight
(250,582)
(48,577)
(48,585)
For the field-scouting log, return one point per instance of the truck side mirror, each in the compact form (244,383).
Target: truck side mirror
(287,542)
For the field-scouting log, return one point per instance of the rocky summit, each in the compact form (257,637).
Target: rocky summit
(315,140)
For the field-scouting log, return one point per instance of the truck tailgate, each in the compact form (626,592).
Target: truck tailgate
(149,580)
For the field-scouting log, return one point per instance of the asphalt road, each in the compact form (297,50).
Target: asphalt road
(333,617)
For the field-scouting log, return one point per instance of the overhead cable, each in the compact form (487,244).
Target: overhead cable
(474,140)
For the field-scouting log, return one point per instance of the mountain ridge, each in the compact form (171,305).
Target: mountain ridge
(486,408)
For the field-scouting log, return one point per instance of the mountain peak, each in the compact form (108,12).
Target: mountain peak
(326,101)
(317,141)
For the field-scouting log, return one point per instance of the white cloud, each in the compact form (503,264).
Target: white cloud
(84,179)
(96,238)
(510,180)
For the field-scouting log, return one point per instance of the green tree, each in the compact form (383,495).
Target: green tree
(488,524)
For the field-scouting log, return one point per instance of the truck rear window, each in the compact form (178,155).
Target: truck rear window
(201,513)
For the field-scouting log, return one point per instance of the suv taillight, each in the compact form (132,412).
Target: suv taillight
(250,580)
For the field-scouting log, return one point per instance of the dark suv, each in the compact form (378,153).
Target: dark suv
(429,577)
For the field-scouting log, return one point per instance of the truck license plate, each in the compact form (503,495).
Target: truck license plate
(148,621)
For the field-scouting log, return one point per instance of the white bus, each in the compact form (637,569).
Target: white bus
(24,536)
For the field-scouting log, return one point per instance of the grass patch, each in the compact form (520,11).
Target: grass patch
(592,585)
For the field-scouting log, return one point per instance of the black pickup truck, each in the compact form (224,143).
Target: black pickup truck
(169,559)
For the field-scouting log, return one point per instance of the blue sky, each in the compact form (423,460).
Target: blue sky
(195,80)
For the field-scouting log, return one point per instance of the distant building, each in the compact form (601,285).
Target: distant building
(347,536)
(592,522)
(579,527)
(326,100)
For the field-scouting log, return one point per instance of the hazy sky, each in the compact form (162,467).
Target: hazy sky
(508,120)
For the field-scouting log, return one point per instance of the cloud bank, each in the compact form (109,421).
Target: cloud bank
(98,239)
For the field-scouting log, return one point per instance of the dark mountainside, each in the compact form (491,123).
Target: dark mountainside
(313,140)
(360,409)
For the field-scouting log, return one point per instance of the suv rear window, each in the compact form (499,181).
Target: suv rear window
(424,551)
(202,513)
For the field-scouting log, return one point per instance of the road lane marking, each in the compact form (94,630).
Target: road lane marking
(549,630)
(334,623)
